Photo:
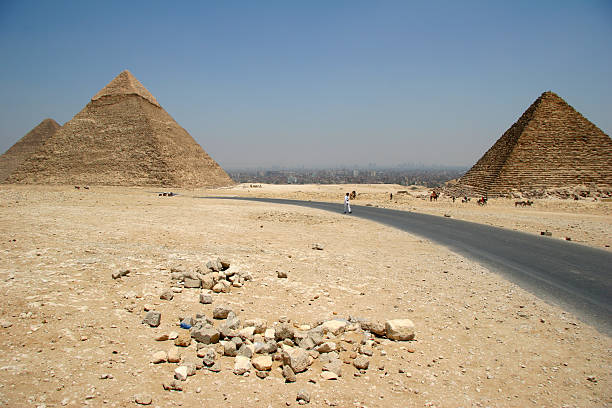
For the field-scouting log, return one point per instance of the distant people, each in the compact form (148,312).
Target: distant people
(390,196)
(347,205)
(453,199)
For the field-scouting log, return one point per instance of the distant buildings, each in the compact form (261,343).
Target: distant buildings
(426,177)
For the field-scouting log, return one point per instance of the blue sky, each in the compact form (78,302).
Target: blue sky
(313,83)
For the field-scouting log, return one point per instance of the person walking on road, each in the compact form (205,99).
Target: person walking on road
(347,205)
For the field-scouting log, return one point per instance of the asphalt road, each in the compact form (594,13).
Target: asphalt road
(575,277)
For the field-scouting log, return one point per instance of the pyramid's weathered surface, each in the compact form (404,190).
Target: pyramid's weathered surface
(551,146)
(122,137)
(26,146)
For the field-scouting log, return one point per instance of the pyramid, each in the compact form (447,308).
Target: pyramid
(122,137)
(26,146)
(551,146)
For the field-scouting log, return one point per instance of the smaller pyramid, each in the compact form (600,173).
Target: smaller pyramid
(551,146)
(26,146)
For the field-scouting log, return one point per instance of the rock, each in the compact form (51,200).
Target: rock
(206,335)
(221,311)
(334,327)
(316,335)
(162,337)
(206,298)
(207,281)
(327,357)
(288,374)
(215,367)
(214,265)
(172,386)
(318,247)
(232,321)
(191,367)
(306,343)
(226,286)
(328,375)
(361,363)
(246,350)
(366,351)
(5,323)
(167,295)
(303,395)
(173,355)
(269,334)
(400,329)
(152,318)
(208,356)
(262,374)
(335,366)
(296,358)
(281,274)
(183,339)
(242,365)
(180,373)
(247,333)
(120,274)
(191,283)
(172,335)
(229,349)
(225,263)
(262,363)
(283,331)
(376,328)
(326,347)
(143,399)
(159,357)
(260,325)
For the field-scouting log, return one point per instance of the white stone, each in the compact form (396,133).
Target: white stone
(328,375)
(297,358)
(269,334)
(180,373)
(242,365)
(334,327)
(400,329)
(260,325)
(247,333)
(159,357)
(174,355)
(262,363)
(326,347)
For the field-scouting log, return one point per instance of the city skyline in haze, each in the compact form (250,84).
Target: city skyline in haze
(313,84)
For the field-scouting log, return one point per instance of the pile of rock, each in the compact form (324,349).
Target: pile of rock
(216,276)
(258,348)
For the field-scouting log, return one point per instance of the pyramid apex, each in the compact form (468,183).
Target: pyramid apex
(125,84)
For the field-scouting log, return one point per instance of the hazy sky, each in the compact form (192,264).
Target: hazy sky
(313,83)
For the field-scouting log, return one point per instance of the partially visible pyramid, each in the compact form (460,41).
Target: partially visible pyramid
(27,145)
(551,146)
(122,137)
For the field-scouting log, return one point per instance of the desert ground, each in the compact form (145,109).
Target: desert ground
(71,335)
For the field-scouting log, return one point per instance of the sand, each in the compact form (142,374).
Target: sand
(480,340)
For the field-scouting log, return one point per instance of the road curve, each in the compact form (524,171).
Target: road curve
(573,276)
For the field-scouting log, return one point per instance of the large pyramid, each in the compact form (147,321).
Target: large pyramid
(27,145)
(122,137)
(551,146)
